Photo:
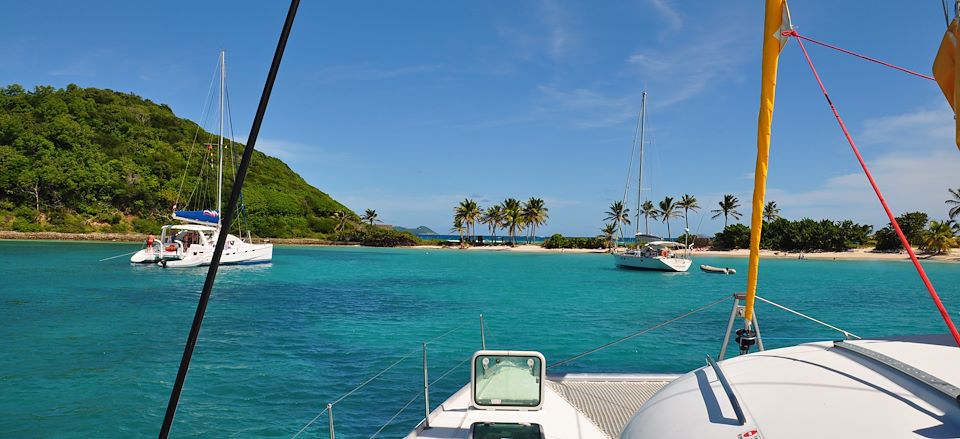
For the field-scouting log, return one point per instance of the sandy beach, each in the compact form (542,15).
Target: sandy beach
(522,248)
(855,254)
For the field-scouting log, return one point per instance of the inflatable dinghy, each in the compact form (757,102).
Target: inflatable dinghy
(712,269)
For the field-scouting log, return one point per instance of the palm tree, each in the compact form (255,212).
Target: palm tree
(687,203)
(771,212)
(666,211)
(939,237)
(620,216)
(534,215)
(609,231)
(649,211)
(512,218)
(343,220)
(370,216)
(728,208)
(468,211)
(955,202)
(459,228)
(493,218)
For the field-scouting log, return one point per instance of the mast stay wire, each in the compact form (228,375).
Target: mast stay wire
(893,220)
(640,332)
(208,103)
(946,17)
(633,152)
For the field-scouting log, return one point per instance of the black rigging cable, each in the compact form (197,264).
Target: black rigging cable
(227,218)
(946,17)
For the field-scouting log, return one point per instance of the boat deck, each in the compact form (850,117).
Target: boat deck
(583,406)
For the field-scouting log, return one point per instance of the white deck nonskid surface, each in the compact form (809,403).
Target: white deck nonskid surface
(582,406)
(608,400)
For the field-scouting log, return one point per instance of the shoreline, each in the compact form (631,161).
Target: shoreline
(859,254)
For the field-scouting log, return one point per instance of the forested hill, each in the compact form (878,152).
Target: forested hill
(87,159)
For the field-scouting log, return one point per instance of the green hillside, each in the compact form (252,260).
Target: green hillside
(87,159)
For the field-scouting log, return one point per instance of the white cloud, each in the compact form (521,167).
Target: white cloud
(560,38)
(670,15)
(687,70)
(913,175)
(297,153)
(555,37)
(917,129)
(588,108)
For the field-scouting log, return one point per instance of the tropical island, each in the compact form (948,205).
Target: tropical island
(92,163)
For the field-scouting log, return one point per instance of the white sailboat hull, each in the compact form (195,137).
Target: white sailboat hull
(654,263)
(145,256)
(242,253)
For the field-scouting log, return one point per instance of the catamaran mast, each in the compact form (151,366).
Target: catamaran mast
(643,116)
(223,78)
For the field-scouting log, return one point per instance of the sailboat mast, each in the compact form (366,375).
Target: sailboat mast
(223,77)
(643,117)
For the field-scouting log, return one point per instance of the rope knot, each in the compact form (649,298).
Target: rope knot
(790,33)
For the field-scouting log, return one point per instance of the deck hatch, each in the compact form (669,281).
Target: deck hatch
(507,380)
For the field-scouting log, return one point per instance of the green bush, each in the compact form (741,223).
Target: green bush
(912,224)
(559,241)
(733,237)
(374,236)
(22,225)
(149,224)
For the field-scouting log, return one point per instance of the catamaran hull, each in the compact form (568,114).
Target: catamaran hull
(242,255)
(144,257)
(655,263)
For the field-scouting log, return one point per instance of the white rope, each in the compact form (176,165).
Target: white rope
(643,331)
(389,421)
(118,256)
(845,333)
(309,424)
(379,374)
(432,340)
(374,377)
(451,370)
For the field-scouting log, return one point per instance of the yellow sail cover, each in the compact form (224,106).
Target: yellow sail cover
(776,21)
(946,69)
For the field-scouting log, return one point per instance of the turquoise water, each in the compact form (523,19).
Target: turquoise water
(90,349)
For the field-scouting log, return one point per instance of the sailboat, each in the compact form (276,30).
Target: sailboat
(192,242)
(651,252)
(898,387)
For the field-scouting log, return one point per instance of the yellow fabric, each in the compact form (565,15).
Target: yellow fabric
(946,69)
(776,21)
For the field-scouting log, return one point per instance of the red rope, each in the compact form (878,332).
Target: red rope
(886,208)
(794,33)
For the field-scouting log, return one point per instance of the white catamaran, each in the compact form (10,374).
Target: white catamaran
(192,244)
(652,252)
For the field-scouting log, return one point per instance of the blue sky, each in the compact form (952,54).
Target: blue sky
(409,107)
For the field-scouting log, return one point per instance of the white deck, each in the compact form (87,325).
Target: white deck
(582,406)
